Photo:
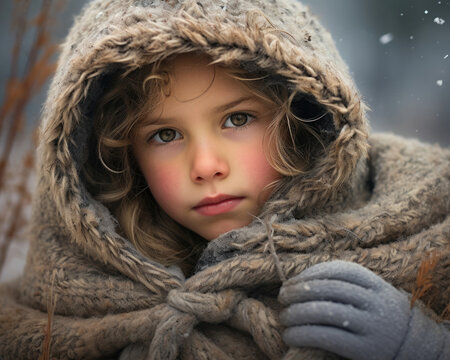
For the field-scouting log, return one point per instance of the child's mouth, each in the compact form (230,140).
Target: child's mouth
(216,205)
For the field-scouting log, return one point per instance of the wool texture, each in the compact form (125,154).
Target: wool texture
(379,200)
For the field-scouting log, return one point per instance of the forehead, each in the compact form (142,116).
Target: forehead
(193,75)
(197,86)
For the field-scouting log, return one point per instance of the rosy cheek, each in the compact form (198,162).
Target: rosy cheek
(165,184)
(257,167)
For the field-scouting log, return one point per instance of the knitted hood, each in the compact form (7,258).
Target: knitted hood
(280,36)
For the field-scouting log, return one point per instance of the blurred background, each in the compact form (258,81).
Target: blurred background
(399,54)
(397,50)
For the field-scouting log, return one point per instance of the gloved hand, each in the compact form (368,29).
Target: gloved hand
(346,309)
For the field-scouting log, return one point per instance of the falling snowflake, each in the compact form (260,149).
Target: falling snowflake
(439,83)
(426,11)
(386,38)
(446,56)
(439,21)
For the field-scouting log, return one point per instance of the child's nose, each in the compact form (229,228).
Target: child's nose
(208,164)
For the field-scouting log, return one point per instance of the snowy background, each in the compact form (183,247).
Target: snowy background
(398,52)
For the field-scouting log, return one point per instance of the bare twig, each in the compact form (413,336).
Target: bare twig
(424,279)
(19,25)
(51,305)
(19,90)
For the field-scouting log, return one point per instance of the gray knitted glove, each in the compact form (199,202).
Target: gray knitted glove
(346,309)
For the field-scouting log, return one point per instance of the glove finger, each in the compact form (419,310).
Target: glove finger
(339,270)
(336,315)
(329,290)
(337,341)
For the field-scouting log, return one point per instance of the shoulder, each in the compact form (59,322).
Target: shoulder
(388,142)
(410,158)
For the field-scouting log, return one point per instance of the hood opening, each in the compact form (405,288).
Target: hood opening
(101,44)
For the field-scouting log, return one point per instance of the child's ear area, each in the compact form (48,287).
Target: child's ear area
(314,115)
(306,108)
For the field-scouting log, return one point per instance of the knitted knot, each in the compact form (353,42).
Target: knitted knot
(182,312)
(206,307)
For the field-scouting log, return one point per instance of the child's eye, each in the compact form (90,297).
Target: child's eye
(238,120)
(165,136)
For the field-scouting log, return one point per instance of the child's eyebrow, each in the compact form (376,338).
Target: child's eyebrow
(220,108)
(225,107)
(153,121)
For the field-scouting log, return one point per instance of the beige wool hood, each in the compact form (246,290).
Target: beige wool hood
(380,201)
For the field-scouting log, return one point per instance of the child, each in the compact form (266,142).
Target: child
(194,155)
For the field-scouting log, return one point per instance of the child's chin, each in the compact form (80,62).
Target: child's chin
(214,233)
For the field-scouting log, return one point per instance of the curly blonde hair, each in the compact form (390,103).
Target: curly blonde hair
(113,176)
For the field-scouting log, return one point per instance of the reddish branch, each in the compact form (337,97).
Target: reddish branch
(20,90)
(424,278)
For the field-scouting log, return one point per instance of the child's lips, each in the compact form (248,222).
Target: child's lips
(216,205)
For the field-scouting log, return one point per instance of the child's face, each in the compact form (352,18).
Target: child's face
(202,150)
